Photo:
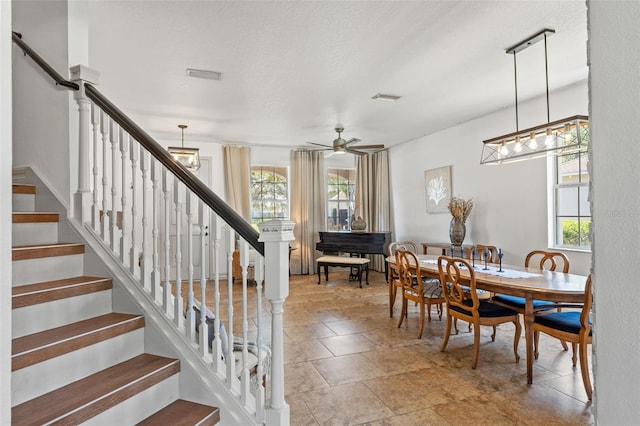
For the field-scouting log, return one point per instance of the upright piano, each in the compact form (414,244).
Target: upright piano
(358,243)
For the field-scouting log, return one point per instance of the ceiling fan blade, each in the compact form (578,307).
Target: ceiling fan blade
(370,147)
(319,144)
(355,151)
(352,140)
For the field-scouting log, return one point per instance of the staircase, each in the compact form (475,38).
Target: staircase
(74,360)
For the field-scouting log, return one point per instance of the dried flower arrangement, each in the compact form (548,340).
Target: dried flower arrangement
(460,208)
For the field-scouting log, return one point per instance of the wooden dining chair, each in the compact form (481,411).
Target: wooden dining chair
(549,260)
(462,303)
(570,326)
(394,284)
(492,253)
(424,291)
(542,259)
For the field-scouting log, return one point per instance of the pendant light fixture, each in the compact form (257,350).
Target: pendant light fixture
(188,157)
(558,137)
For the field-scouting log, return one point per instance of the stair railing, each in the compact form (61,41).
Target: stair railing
(160,222)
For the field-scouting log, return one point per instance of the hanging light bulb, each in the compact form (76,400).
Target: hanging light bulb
(518,146)
(533,144)
(567,133)
(504,150)
(548,141)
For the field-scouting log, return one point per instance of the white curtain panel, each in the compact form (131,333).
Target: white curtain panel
(373,200)
(308,205)
(237,171)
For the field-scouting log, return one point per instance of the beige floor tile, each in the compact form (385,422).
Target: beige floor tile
(303,377)
(300,415)
(308,332)
(349,344)
(395,360)
(346,369)
(426,417)
(305,351)
(350,404)
(410,391)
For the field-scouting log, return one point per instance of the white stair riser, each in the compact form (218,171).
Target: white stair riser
(35,318)
(47,269)
(140,406)
(35,380)
(23,202)
(34,233)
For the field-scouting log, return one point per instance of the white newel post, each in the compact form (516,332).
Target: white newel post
(276,234)
(81,74)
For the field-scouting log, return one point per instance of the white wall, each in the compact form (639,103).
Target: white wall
(615,125)
(44,146)
(5,212)
(510,201)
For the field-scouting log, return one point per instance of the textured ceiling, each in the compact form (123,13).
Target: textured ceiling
(292,70)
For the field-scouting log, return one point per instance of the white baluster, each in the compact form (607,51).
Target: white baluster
(124,239)
(276,236)
(155,273)
(167,179)
(95,121)
(217,342)
(260,391)
(144,256)
(244,373)
(203,330)
(134,267)
(178,194)
(104,130)
(190,320)
(231,367)
(113,130)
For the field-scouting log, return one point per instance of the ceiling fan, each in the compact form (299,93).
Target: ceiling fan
(340,146)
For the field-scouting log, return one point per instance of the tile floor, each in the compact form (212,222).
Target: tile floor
(347,363)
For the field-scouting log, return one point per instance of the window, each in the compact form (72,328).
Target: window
(571,210)
(340,198)
(269,193)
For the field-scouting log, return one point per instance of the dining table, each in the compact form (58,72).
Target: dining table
(529,283)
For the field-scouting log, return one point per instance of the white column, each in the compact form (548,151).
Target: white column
(81,74)
(275,235)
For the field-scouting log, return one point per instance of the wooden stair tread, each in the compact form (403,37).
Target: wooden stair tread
(182,412)
(33,294)
(35,217)
(87,397)
(38,347)
(46,250)
(22,188)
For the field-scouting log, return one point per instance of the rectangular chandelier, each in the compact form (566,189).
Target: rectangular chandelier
(559,137)
(188,157)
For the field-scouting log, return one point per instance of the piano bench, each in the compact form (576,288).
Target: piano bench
(351,262)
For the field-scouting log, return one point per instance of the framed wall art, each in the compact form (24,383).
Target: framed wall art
(437,183)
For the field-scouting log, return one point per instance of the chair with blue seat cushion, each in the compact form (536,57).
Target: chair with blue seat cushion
(548,260)
(462,303)
(569,326)
(424,291)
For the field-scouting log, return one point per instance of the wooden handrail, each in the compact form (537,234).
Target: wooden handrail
(216,204)
(221,208)
(17,39)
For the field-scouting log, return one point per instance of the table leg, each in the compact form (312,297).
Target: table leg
(528,333)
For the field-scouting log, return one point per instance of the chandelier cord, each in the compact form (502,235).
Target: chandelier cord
(515,79)
(546,75)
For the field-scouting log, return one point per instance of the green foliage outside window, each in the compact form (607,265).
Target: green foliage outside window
(576,233)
